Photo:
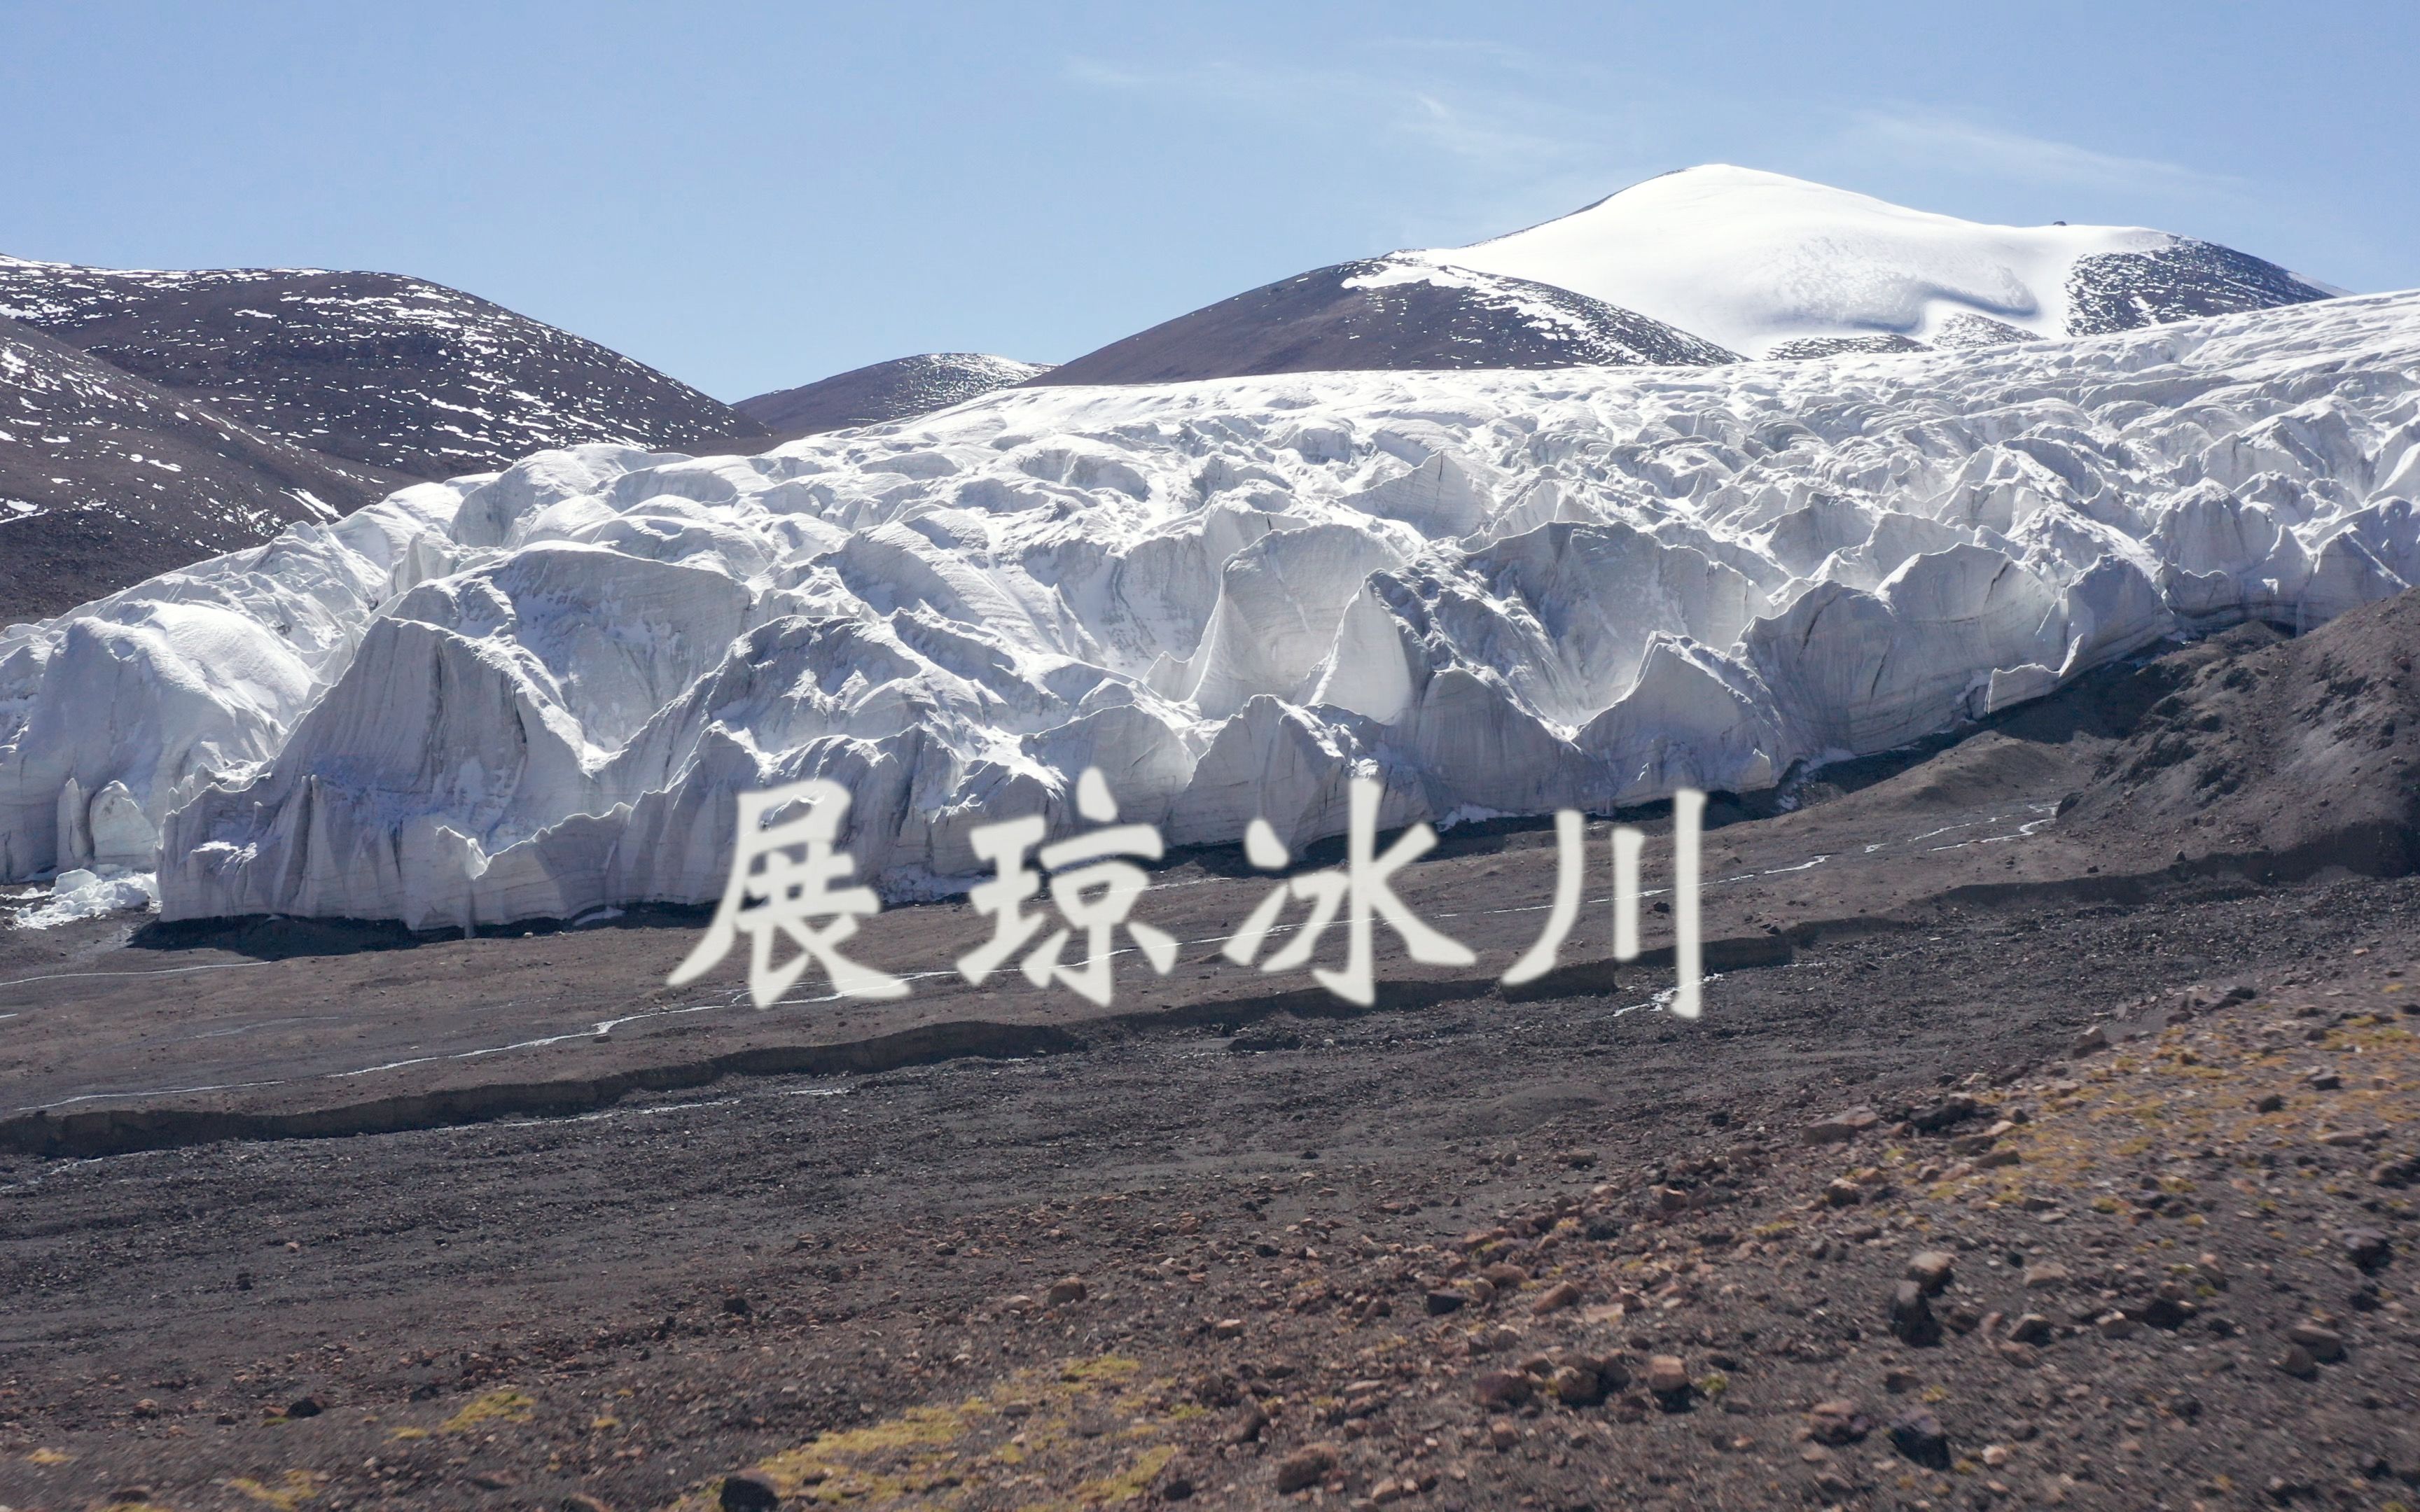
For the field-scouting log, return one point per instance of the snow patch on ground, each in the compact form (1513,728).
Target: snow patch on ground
(79,893)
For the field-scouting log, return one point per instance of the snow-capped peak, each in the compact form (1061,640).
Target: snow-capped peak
(1752,260)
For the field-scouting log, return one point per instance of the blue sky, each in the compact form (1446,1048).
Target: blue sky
(754,196)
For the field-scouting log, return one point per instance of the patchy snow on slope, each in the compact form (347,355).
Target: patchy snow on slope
(1511,295)
(902,387)
(533,693)
(1753,260)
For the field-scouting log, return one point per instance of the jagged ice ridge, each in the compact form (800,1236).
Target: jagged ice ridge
(531,693)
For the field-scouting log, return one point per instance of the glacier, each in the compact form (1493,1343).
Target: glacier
(533,693)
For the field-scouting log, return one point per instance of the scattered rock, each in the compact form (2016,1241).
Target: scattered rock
(2166,1312)
(1176,1483)
(305,1407)
(1441,1301)
(1837,1421)
(1911,1317)
(2268,1102)
(1065,1289)
(1557,1296)
(2297,1362)
(1575,1385)
(1502,1434)
(2048,1276)
(1839,1128)
(1216,1388)
(1505,1388)
(1668,1379)
(1248,1424)
(2367,1249)
(2092,1041)
(1930,1270)
(1226,1328)
(1305,1468)
(750,1491)
(1917,1436)
(2114,1325)
(1951,1110)
(2324,1344)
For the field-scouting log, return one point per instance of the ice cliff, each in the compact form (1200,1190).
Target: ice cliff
(529,693)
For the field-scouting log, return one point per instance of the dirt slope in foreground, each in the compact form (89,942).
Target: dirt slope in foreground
(862,1290)
(2302,751)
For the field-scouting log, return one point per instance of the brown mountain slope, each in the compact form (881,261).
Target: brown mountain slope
(2305,750)
(105,479)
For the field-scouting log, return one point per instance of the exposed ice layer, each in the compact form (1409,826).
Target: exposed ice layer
(533,693)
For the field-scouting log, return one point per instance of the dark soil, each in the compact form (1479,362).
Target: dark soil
(628,1305)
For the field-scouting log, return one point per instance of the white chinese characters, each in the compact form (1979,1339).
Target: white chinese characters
(1094,895)
(785,883)
(770,892)
(1361,888)
(1570,865)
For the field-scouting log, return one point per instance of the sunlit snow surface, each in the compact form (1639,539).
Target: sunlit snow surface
(78,893)
(1766,265)
(532,694)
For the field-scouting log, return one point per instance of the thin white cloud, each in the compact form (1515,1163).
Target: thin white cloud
(1464,119)
(1499,136)
(1502,149)
(1943,141)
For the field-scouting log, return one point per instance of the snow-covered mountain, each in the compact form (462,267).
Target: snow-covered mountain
(1703,266)
(1393,312)
(1771,266)
(900,389)
(528,693)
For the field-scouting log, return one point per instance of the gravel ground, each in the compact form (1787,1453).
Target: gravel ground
(1238,1262)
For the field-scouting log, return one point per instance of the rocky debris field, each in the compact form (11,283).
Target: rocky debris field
(2028,1203)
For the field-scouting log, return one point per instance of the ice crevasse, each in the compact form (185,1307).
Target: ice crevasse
(531,693)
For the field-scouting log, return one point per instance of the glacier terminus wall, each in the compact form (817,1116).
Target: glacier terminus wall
(529,693)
